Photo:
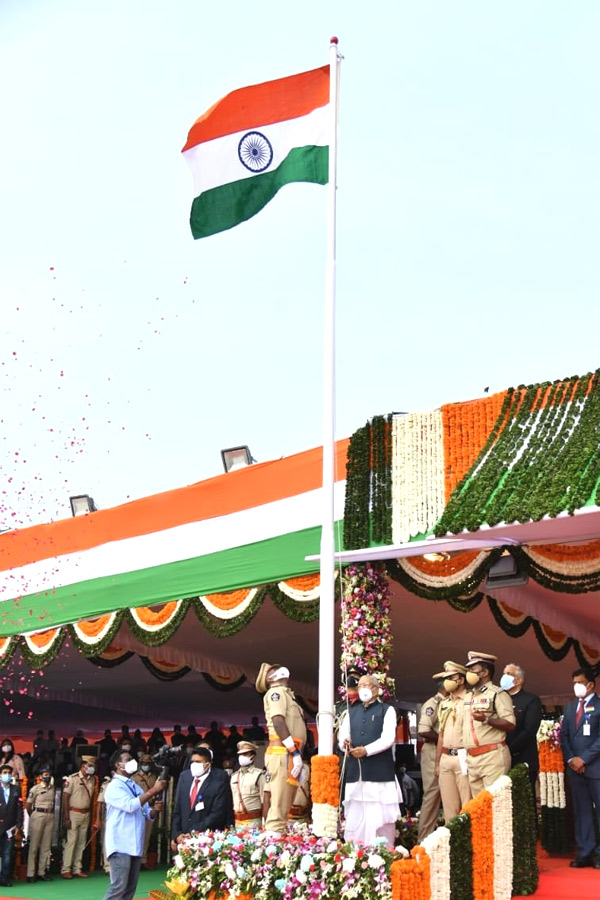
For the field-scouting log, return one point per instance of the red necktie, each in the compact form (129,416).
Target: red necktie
(194,794)
(579,713)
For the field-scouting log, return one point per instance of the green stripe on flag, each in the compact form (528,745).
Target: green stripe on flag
(264,562)
(224,207)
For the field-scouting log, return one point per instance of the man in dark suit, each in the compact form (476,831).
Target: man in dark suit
(522,741)
(580,739)
(11,818)
(203,800)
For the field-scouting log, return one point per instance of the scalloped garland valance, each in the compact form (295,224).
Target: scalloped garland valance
(455,580)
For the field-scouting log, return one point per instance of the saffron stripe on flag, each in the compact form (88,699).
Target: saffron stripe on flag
(266,103)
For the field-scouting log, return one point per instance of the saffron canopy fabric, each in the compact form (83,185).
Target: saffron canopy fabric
(254,141)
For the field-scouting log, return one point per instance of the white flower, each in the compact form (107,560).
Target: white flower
(230,872)
(301,876)
(376,861)
(349,864)
(332,847)
(306,862)
(178,861)
(285,857)
(256,855)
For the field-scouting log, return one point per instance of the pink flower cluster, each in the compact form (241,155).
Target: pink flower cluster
(365,628)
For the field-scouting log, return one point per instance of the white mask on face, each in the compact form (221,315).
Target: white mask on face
(244,760)
(507,682)
(6,748)
(89,770)
(580,690)
(131,766)
(278,674)
(198,769)
(365,694)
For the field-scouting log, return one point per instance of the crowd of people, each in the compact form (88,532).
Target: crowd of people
(471,731)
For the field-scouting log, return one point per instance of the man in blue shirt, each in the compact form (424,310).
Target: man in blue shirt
(126,813)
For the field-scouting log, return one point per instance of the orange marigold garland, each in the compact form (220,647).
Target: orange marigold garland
(410,878)
(553,801)
(325,790)
(480,811)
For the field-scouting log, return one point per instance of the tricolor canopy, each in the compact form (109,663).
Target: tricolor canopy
(443,496)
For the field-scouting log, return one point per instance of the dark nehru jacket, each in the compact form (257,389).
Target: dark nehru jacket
(366,726)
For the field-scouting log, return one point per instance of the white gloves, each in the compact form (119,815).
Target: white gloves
(296,764)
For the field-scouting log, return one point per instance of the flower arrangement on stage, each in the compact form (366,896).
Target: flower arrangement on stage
(325,790)
(525,870)
(366,630)
(553,800)
(303,867)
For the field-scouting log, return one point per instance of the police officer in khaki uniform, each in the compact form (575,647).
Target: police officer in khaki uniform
(101,821)
(451,766)
(489,714)
(40,806)
(146,778)
(78,796)
(287,737)
(247,787)
(428,731)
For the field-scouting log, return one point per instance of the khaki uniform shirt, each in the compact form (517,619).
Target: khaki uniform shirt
(494,702)
(146,780)
(41,796)
(281,701)
(452,714)
(428,720)
(80,790)
(248,788)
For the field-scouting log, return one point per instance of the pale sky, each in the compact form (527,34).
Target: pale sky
(468,231)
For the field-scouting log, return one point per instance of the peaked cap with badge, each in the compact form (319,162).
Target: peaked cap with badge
(261,681)
(246,747)
(476,656)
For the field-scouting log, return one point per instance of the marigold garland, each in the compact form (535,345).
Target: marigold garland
(481,813)
(410,878)
(325,779)
(553,800)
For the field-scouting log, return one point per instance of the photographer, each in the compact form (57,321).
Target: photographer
(127,810)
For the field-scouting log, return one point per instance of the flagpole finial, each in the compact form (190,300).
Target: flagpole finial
(333,40)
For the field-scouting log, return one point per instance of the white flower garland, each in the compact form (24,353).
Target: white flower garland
(501,791)
(90,640)
(324,820)
(437,847)
(563,567)
(157,626)
(443,580)
(228,613)
(418,494)
(552,790)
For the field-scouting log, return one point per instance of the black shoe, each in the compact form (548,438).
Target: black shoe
(596,861)
(44,878)
(5,883)
(582,862)
(31,879)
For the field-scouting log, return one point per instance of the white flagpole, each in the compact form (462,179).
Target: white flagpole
(327,601)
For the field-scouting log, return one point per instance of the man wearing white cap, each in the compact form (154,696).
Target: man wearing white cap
(287,738)
(489,714)
(451,753)
(247,787)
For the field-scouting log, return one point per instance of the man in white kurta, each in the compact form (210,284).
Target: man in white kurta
(372,796)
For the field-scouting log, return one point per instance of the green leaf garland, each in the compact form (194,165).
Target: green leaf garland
(525,864)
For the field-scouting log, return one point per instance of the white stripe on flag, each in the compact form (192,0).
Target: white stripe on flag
(189,541)
(217,162)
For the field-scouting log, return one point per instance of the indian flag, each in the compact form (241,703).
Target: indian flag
(253,142)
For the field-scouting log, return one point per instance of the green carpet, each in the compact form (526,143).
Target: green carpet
(92,888)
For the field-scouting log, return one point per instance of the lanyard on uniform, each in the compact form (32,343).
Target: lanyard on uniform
(131,788)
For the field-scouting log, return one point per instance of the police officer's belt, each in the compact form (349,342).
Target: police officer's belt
(77,809)
(451,751)
(249,814)
(485,748)
(297,812)
(40,809)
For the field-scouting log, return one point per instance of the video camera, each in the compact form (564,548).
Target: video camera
(166,758)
